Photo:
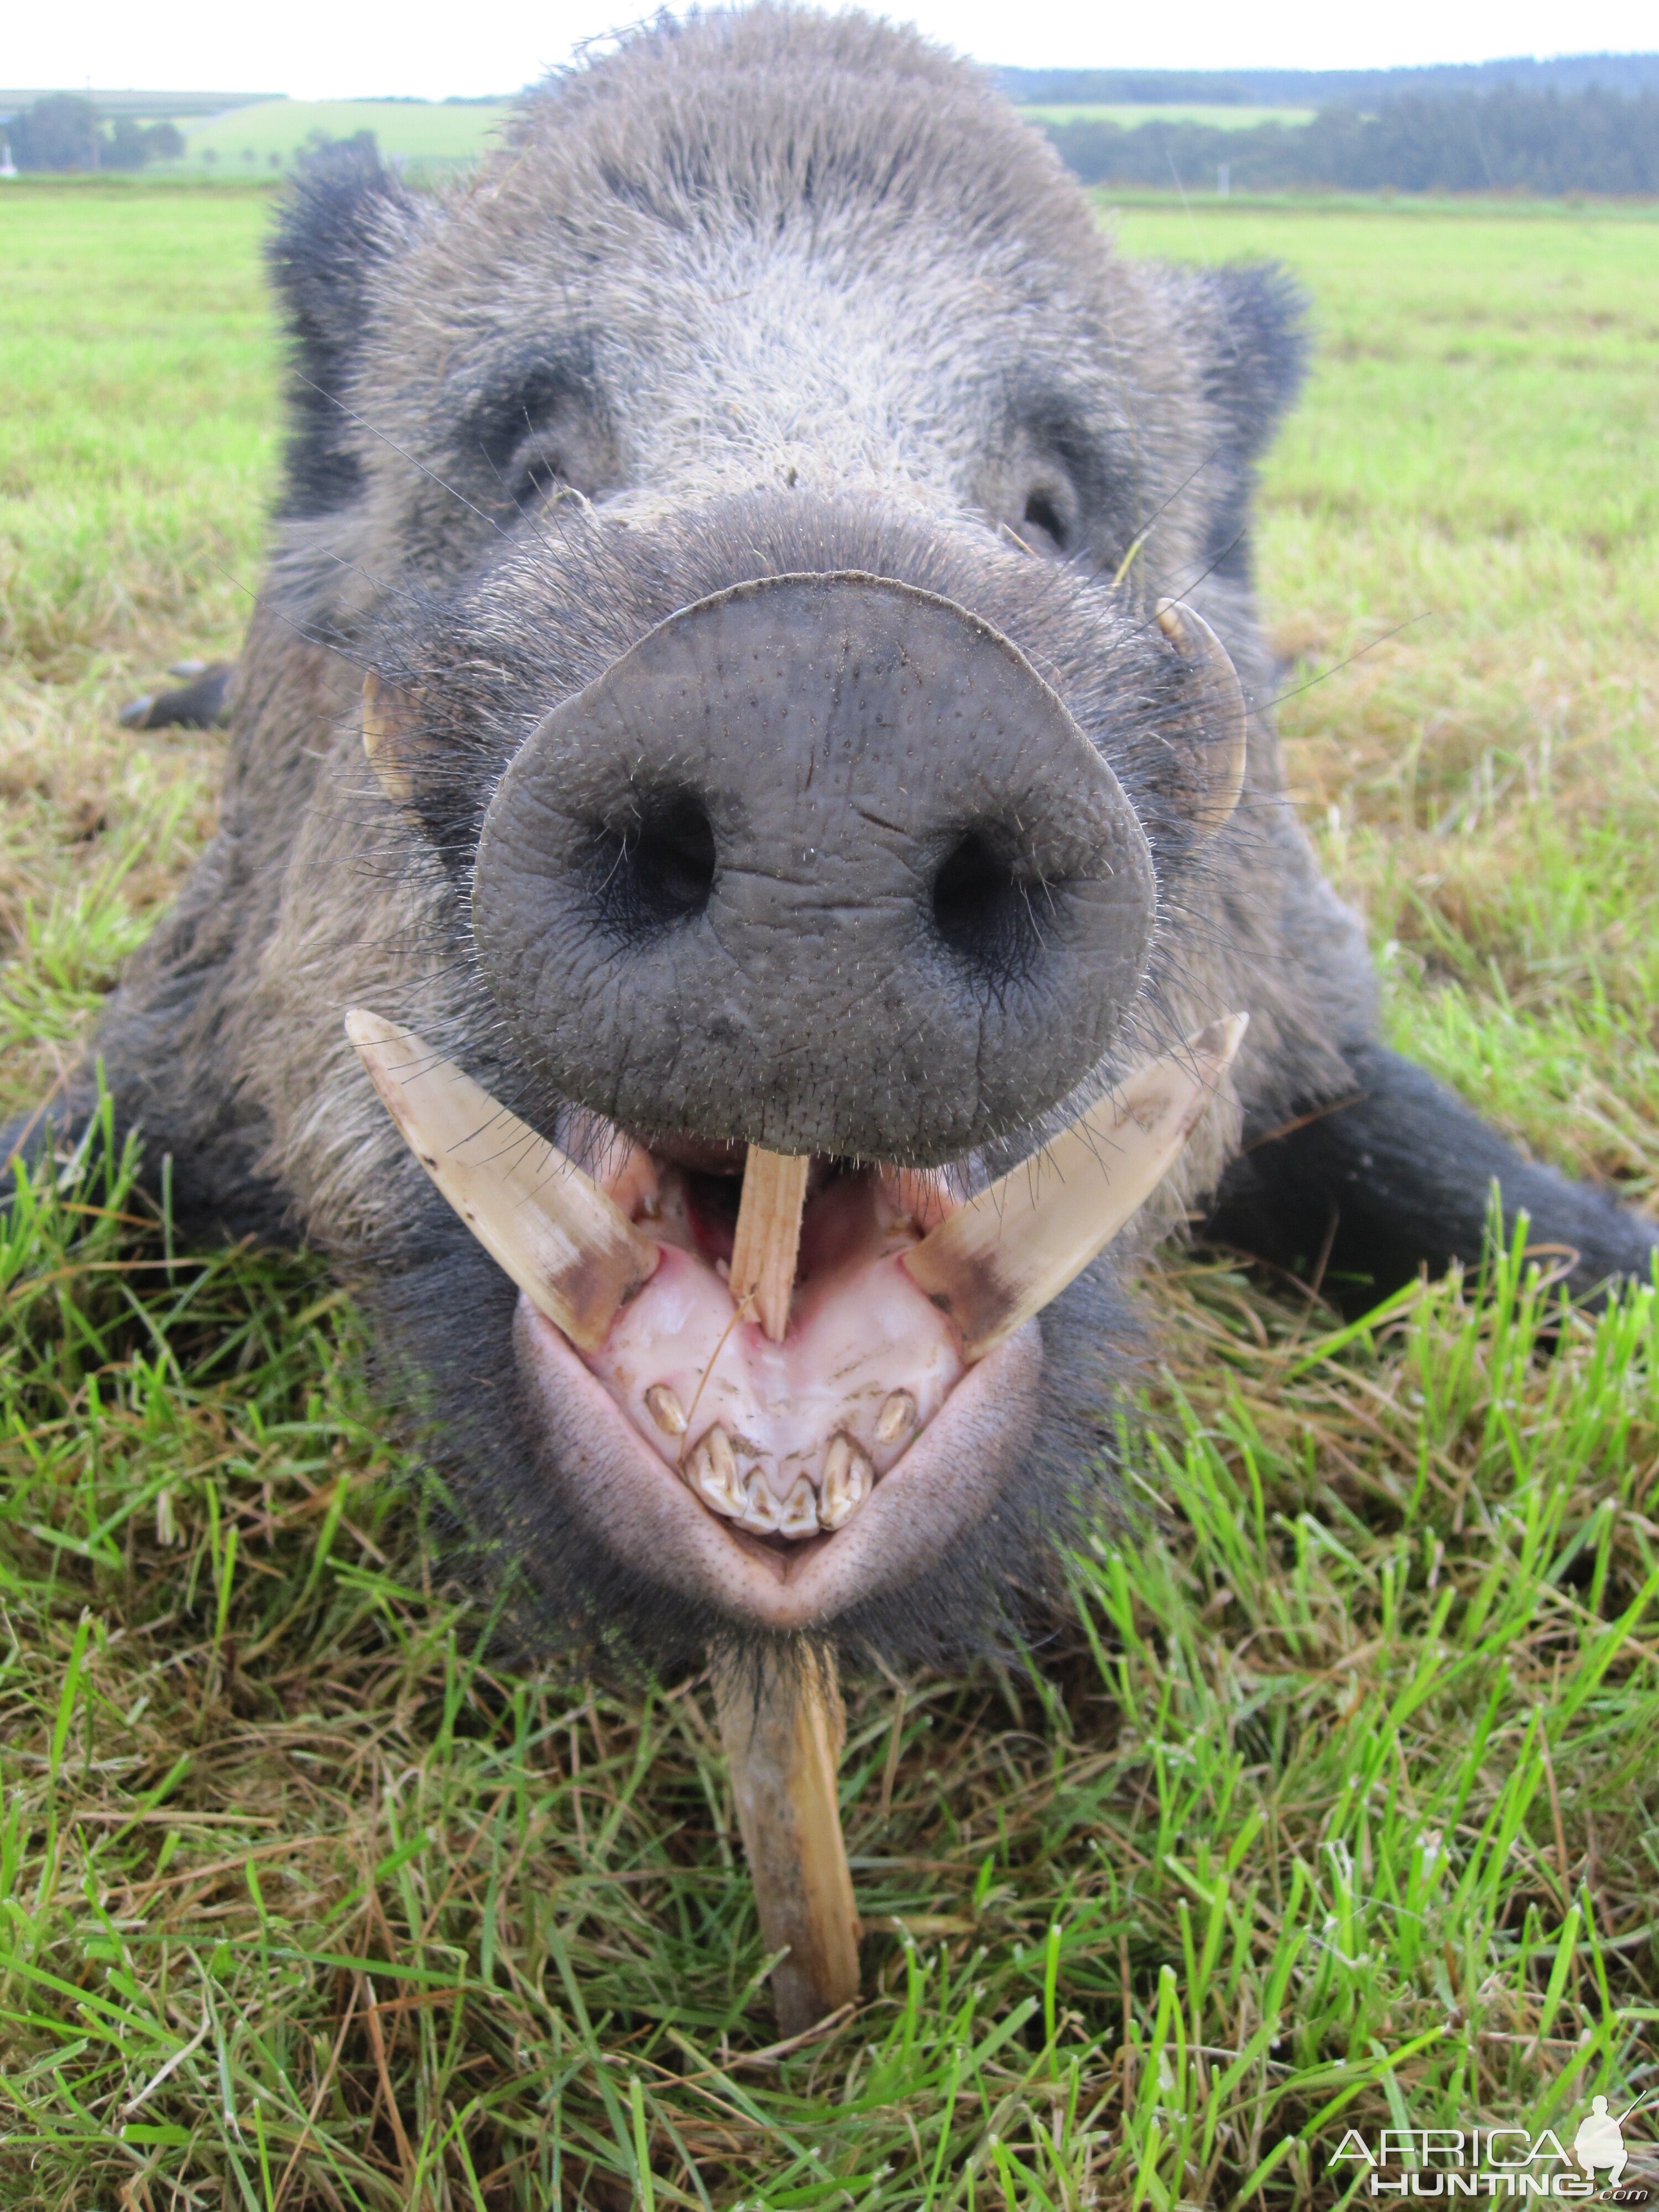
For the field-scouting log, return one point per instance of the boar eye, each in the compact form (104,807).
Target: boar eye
(540,431)
(1044,520)
(535,475)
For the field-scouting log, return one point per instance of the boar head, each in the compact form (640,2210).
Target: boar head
(773,525)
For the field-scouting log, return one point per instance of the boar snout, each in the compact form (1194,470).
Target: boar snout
(820,864)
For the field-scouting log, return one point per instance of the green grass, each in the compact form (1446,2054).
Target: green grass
(246,138)
(1332,1801)
(1466,500)
(137,354)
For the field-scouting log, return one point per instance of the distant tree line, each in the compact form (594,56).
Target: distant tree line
(1367,89)
(63,131)
(1504,141)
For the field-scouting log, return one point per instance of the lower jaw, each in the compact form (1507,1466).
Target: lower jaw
(951,1477)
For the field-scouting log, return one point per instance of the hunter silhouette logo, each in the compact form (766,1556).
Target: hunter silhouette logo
(1494,2162)
(1600,2141)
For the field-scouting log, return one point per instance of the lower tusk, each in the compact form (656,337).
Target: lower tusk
(1012,1250)
(574,1254)
(767,1241)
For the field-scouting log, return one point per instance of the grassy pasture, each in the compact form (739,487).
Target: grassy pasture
(405,130)
(1335,1806)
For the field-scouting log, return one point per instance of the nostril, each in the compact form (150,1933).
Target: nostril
(982,907)
(658,868)
(673,858)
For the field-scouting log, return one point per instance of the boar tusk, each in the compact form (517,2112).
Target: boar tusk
(574,1254)
(767,1240)
(1009,1252)
(381,732)
(1220,761)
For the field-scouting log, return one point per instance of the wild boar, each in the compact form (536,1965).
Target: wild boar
(759,664)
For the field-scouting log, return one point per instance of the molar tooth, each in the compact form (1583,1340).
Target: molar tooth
(697,1467)
(572,1251)
(761,1509)
(712,1474)
(1007,1253)
(665,1410)
(848,1478)
(800,1510)
(896,1415)
(718,1447)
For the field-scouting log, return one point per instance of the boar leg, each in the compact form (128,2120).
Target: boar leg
(782,1729)
(1398,1177)
(202,704)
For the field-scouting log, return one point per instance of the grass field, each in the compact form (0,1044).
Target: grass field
(246,138)
(1333,1804)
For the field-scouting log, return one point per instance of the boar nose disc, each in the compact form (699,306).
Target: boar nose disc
(822,864)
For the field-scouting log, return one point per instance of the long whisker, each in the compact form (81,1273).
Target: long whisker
(362,422)
(1337,667)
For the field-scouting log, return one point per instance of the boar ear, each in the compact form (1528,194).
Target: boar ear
(1249,322)
(1258,348)
(344,215)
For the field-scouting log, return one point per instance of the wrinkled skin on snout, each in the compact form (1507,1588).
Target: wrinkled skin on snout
(821,864)
(814,702)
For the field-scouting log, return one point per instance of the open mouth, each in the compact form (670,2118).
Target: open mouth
(795,1367)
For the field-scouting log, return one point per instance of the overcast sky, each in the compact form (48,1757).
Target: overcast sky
(325,49)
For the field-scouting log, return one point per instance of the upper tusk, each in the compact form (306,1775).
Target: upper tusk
(1219,759)
(767,1241)
(574,1254)
(1009,1252)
